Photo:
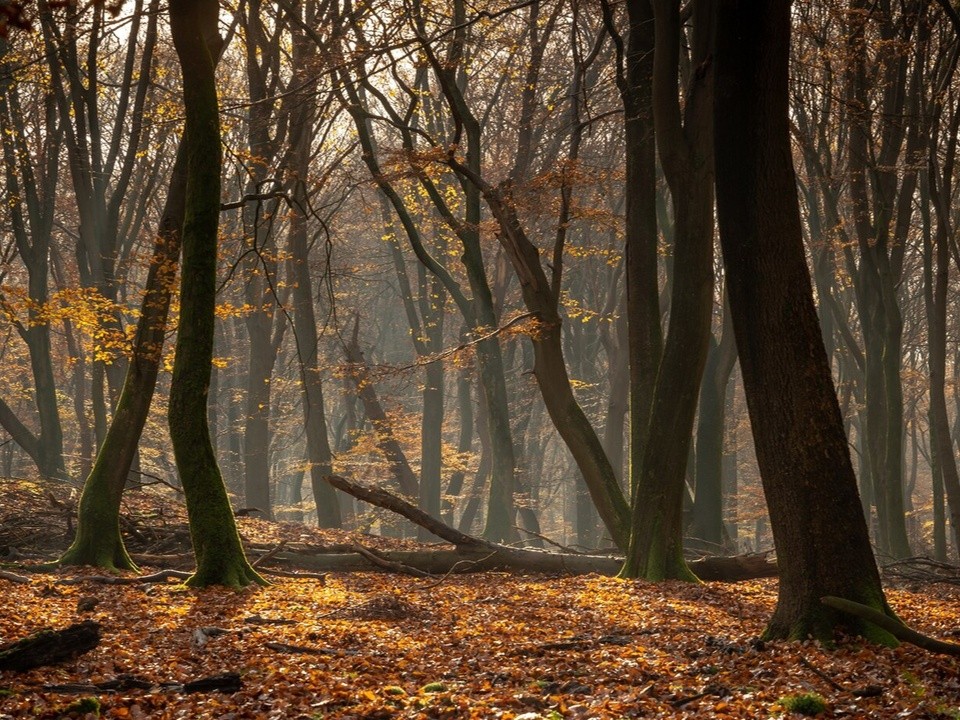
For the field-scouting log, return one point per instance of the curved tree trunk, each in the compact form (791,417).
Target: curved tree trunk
(98,541)
(818,526)
(686,153)
(216,543)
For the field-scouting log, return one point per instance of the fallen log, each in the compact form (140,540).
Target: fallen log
(49,647)
(472,554)
(461,560)
(731,568)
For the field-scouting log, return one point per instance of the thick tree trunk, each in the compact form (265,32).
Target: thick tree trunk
(820,534)
(216,543)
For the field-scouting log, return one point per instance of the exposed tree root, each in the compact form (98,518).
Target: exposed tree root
(892,625)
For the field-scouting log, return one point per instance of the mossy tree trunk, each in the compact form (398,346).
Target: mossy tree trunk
(98,541)
(818,524)
(685,143)
(216,543)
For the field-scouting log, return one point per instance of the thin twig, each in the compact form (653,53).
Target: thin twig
(292,574)
(821,674)
(453,570)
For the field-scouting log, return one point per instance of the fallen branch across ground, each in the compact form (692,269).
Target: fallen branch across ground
(157,577)
(475,554)
(226,682)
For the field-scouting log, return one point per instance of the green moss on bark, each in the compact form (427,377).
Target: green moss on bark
(819,622)
(216,543)
(660,559)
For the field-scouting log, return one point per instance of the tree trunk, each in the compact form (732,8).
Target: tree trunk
(319,454)
(465,403)
(98,541)
(686,152)
(31,198)
(820,534)
(936,281)
(645,336)
(386,440)
(216,543)
(708,498)
(431,433)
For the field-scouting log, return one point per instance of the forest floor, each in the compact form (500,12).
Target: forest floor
(491,645)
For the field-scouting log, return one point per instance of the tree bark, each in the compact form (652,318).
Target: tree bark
(819,530)
(216,543)
(98,541)
(319,454)
(645,336)
(49,647)
(685,144)
(708,486)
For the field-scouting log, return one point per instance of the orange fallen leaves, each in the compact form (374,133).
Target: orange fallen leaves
(481,646)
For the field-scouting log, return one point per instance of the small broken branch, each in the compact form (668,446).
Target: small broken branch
(821,674)
(297,649)
(269,554)
(157,577)
(14,578)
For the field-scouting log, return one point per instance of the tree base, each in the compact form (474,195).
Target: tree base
(236,575)
(109,556)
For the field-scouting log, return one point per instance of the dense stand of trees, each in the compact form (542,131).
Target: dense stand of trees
(471,256)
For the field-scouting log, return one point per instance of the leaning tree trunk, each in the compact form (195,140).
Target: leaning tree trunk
(216,543)
(98,541)
(818,526)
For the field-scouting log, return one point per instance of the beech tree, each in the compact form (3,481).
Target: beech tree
(32,196)
(685,144)
(216,544)
(819,529)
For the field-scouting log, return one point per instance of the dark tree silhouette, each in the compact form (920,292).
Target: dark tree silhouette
(811,491)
